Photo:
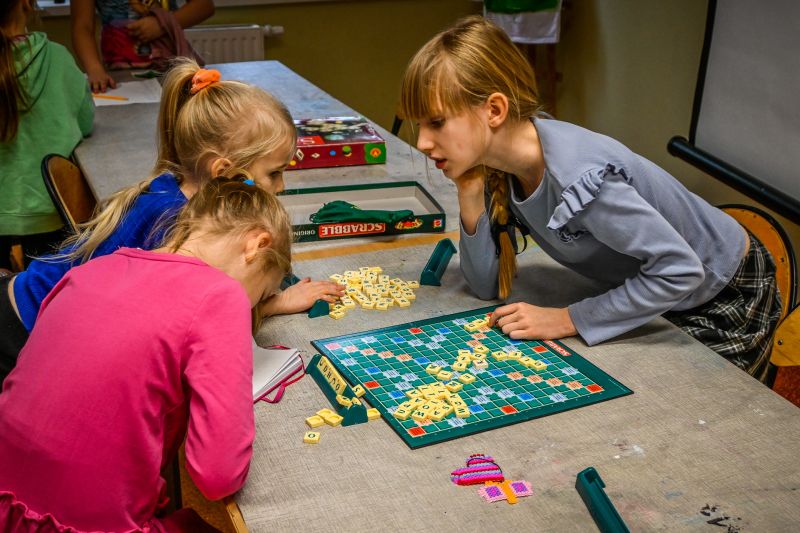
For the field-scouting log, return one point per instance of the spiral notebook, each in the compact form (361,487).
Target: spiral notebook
(274,369)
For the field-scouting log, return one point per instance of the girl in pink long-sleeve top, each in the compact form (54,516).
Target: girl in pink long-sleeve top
(133,351)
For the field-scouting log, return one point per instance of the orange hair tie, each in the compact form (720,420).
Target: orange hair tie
(203,78)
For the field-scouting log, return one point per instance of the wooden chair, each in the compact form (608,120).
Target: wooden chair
(69,191)
(787,336)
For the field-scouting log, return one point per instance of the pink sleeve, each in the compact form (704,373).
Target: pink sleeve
(219,375)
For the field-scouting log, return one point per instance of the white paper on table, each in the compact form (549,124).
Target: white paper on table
(136,92)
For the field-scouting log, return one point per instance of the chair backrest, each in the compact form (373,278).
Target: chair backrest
(69,190)
(774,238)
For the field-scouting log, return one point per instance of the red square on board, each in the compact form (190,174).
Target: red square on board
(372,384)
(508,409)
(539,349)
(416,432)
(594,388)
(415,330)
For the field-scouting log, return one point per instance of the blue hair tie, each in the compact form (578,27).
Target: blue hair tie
(249,182)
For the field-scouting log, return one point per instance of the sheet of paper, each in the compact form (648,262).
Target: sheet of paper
(271,366)
(130,92)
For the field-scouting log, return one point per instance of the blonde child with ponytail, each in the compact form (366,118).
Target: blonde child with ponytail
(206,127)
(588,201)
(131,353)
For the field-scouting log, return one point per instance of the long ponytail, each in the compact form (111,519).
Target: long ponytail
(497,185)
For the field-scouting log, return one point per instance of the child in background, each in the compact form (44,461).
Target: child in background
(129,29)
(588,201)
(207,127)
(45,107)
(133,351)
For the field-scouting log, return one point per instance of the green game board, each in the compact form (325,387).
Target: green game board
(388,362)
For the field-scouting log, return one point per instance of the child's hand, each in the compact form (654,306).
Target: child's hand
(526,321)
(301,296)
(100,81)
(145,29)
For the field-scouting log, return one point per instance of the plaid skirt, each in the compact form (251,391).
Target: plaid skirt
(739,322)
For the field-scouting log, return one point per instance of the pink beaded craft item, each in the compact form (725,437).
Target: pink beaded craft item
(480,469)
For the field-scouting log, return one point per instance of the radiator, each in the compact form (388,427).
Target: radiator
(229,43)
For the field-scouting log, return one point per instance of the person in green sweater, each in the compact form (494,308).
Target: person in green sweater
(45,107)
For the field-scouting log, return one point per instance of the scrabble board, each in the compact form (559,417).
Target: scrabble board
(395,362)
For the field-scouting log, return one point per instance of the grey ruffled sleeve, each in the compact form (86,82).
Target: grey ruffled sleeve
(605,204)
(478,258)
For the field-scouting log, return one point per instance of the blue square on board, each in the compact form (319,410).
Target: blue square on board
(443,331)
(496,372)
(422,360)
(525,397)
(398,340)
(570,371)
(373,370)
(558,397)
(476,409)
(396,395)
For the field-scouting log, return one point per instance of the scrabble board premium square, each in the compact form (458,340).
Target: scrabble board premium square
(447,377)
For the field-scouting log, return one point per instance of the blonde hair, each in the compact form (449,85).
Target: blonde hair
(227,119)
(457,70)
(229,206)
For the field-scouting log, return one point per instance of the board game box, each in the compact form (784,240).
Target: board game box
(434,365)
(337,142)
(429,217)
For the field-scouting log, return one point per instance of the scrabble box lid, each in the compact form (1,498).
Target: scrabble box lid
(337,141)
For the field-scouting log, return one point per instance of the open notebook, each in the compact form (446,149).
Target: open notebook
(273,370)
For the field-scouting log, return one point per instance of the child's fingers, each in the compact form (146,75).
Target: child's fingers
(501,312)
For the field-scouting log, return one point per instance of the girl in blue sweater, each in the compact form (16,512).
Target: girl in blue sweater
(207,127)
(588,201)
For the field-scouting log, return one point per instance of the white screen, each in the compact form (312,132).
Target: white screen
(750,108)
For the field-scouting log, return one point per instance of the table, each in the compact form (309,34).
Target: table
(122,149)
(698,441)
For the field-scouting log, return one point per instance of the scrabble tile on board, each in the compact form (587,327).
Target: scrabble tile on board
(359,390)
(432,369)
(500,355)
(453,386)
(402,414)
(459,366)
(538,365)
(444,375)
(311,437)
(419,416)
(466,378)
(482,364)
